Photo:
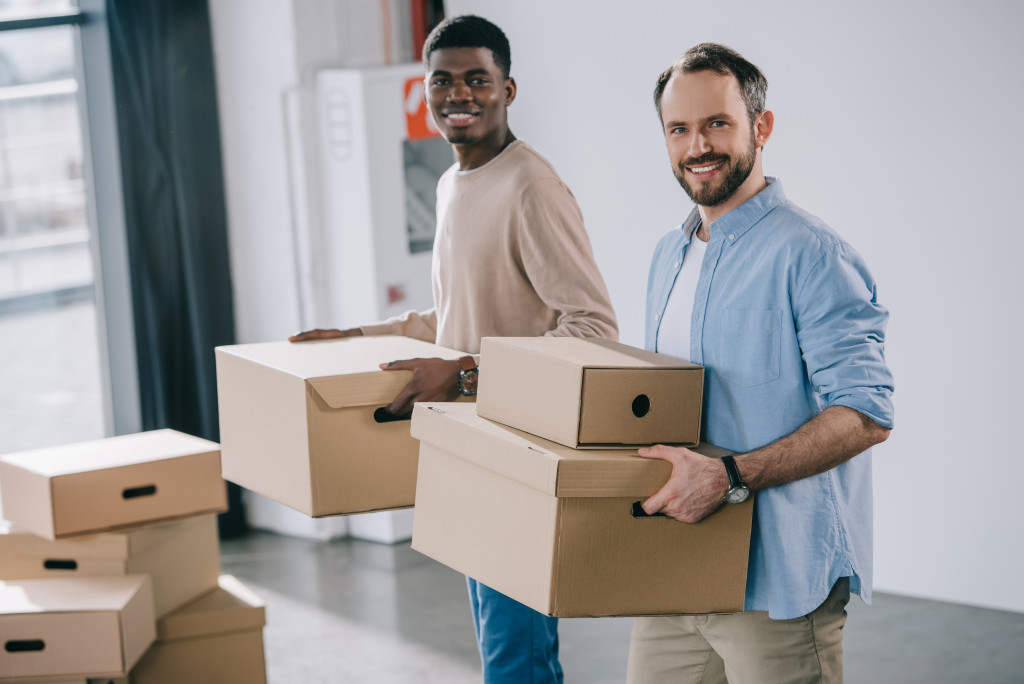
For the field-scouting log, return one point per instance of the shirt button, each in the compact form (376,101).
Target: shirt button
(732,237)
(657,317)
(676,265)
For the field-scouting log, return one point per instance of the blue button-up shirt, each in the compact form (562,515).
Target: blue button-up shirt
(787,323)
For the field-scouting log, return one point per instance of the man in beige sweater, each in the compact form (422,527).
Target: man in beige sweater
(511,259)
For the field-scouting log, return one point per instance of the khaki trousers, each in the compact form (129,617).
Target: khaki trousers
(742,648)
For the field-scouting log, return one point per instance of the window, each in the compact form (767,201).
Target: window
(50,359)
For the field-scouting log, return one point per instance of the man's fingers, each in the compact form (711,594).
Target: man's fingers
(316,334)
(655,503)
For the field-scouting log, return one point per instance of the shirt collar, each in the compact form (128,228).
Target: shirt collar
(744,217)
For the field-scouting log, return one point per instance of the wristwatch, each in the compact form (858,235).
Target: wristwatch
(469,374)
(738,489)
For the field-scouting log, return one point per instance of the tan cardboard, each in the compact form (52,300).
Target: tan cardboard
(297,422)
(183,557)
(75,627)
(217,639)
(590,393)
(111,484)
(553,527)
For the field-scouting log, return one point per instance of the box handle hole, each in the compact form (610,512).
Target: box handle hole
(57,564)
(24,645)
(382,415)
(641,406)
(136,492)
(639,512)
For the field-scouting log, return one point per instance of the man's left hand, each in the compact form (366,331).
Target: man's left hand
(695,489)
(432,380)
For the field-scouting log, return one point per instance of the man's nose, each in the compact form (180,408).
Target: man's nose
(698,145)
(459,92)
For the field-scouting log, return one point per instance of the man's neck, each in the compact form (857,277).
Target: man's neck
(476,155)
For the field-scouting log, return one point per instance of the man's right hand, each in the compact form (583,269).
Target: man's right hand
(331,334)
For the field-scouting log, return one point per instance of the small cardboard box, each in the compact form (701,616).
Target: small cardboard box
(75,627)
(183,557)
(217,639)
(554,527)
(304,424)
(111,484)
(590,393)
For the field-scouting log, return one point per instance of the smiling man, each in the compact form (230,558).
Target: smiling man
(511,259)
(783,314)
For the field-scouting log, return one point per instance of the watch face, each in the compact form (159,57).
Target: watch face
(737,495)
(468,381)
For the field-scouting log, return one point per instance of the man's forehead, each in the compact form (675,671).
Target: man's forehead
(460,60)
(698,90)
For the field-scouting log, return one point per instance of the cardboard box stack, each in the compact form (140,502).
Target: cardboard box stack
(305,425)
(532,491)
(105,539)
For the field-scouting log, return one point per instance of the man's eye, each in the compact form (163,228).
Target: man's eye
(679,129)
(439,82)
(717,124)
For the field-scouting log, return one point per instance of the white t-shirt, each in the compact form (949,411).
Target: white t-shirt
(674,330)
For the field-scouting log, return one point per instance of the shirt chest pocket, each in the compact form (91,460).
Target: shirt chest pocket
(751,346)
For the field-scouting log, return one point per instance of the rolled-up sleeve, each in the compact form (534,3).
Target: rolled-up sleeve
(841,330)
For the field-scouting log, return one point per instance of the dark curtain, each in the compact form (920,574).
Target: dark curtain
(166,96)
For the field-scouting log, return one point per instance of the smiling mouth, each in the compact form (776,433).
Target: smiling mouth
(704,170)
(460,118)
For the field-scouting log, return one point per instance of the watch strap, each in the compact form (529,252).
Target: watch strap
(732,472)
(467,363)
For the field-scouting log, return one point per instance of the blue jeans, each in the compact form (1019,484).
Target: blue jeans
(518,645)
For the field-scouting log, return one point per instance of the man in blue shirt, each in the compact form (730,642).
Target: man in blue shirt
(783,314)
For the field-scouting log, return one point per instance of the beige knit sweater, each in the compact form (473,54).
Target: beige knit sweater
(511,259)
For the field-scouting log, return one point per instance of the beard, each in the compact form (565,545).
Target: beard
(709,195)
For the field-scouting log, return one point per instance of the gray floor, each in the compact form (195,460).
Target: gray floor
(354,611)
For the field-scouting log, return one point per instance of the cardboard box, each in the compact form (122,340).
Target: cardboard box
(112,484)
(76,627)
(590,393)
(183,557)
(217,639)
(553,527)
(299,423)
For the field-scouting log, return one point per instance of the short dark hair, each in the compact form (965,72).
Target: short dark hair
(724,61)
(470,31)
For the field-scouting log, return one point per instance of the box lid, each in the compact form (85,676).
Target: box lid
(121,545)
(344,372)
(546,466)
(229,608)
(112,452)
(78,594)
(589,352)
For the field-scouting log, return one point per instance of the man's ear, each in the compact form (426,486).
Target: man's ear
(510,90)
(763,126)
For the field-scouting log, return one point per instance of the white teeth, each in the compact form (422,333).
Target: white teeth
(705,169)
(460,117)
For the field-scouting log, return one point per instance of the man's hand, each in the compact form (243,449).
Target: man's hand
(695,489)
(330,334)
(432,380)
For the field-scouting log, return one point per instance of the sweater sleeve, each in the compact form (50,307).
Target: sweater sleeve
(557,259)
(420,325)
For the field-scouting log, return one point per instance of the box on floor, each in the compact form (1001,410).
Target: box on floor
(304,424)
(75,627)
(217,639)
(589,392)
(111,484)
(182,557)
(554,527)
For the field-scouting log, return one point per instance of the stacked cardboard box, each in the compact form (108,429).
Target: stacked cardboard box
(532,492)
(305,425)
(106,537)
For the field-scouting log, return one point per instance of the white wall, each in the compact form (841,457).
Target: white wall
(897,122)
